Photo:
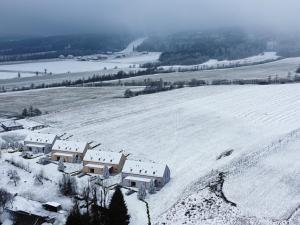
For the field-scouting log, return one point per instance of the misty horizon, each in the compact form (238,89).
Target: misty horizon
(144,17)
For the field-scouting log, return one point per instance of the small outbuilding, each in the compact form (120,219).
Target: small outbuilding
(94,161)
(30,124)
(39,142)
(69,151)
(10,125)
(136,173)
(52,206)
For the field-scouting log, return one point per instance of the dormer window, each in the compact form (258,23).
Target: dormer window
(153,172)
(140,171)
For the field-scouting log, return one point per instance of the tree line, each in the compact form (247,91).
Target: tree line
(30,112)
(159,86)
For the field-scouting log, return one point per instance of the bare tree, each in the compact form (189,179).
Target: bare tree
(13,176)
(61,166)
(141,195)
(68,185)
(5,198)
(38,178)
(86,197)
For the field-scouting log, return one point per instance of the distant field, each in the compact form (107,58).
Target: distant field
(280,68)
(57,99)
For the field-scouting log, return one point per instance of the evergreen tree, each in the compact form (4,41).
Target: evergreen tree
(37,112)
(24,112)
(128,93)
(95,214)
(74,217)
(118,213)
(30,111)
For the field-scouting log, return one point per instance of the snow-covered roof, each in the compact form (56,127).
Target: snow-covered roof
(69,146)
(10,123)
(63,154)
(40,138)
(54,204)
(134,178)
(103,157)
(29,124)
(90,165)
(144,168)
(36,145)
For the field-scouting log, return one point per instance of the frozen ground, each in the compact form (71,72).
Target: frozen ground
(188,129)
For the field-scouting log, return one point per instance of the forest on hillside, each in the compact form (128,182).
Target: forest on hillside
(197,47)
(53,46)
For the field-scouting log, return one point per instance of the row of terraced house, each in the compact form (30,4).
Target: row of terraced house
(133,173)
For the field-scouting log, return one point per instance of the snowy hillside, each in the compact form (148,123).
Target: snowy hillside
(130,48)
(188,129)
(266,56)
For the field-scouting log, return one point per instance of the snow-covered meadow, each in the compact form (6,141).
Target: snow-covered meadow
(75,66)
(124,59)
(188,129)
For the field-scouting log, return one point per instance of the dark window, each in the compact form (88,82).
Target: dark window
(133,184)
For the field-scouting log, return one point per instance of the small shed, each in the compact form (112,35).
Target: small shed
(30,124)
(94,161)
(52,206)
(25,218)
(136,173)
(39,142)
(10,125)
(69,151)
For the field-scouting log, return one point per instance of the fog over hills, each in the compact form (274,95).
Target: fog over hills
(52,17)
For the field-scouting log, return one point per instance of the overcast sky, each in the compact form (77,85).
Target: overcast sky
(47,17)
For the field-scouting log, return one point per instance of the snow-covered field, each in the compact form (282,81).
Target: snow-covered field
(124,59)
(74,66)
(188,129)
(281,68)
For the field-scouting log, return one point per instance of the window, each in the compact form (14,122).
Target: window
(133,184)
(92,170)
